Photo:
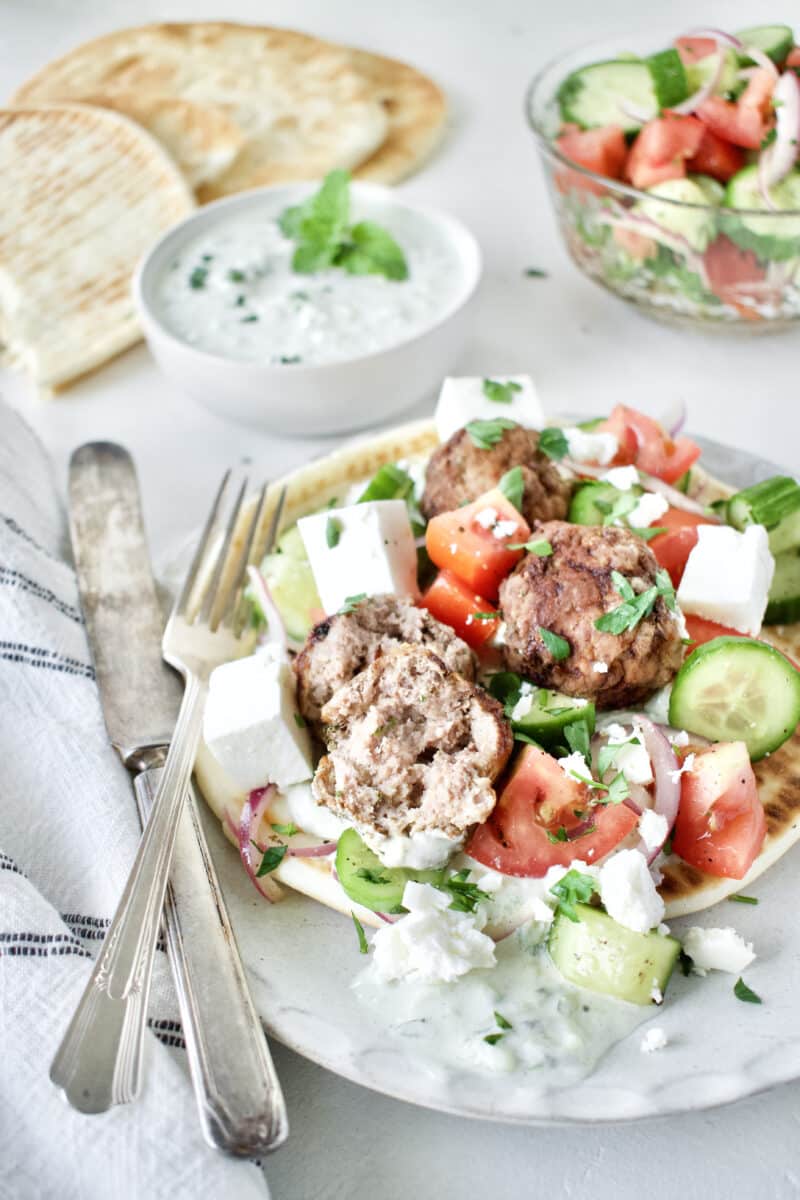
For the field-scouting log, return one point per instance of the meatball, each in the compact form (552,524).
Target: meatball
(342,645)
(459,471)
(412,748)
(565,593)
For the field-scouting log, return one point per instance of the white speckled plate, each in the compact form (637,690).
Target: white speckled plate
(302,959)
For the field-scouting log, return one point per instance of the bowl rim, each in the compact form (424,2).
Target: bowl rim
(547,146)
(462,239)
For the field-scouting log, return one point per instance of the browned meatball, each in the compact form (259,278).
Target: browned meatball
(565,593)
(459,471)
(342,645)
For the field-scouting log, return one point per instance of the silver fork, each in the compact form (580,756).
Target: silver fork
(204,630)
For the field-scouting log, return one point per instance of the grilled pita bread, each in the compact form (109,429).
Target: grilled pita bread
(416,111)
(684,888)
(83,193)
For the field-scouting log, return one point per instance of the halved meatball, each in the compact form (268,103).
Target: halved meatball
(342,645)
(565,593)
(412,748)
(459,471)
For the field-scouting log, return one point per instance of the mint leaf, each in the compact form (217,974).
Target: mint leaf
(270,859)
(372,251)
(553,443)
(512,485)
(485,434)
(500,393)
(557,646)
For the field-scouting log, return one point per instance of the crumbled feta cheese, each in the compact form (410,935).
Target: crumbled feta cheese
(432,942)
(463,399)
(684,769)
(653,829)
(628,892)
(574,765)
(504,529)
(622,478)
(657,707)
(453,548)
(647,511)
(631,758)
(663,929)
(680,621)
(524,703)
(486,518)
(600,668)
(718,949)
(656,994)
(591,447)
(681,738)
(654,1039)
(728,576)
(420,851)
(250,723)
(374,551)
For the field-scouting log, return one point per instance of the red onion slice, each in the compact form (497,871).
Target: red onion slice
(674,419)
(676,499)
(667,785)
(252,811)
(275,635)
(777,160)
(636,114)
(719,36)
(694,101)
(639,223)
(320,851)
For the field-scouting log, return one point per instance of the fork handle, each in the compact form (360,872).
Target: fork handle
(241,1106)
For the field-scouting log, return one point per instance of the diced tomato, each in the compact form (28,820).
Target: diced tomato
(692,49)
(716,157)
(472,542)
(455,604)
(656,452)
(602,150)
(536,798)
(636,245)
(744,122)
(662,148)
(673,548)
(700,631)
(734,274)
(793,59)
(721,824)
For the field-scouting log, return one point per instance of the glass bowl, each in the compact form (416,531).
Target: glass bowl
(674,261)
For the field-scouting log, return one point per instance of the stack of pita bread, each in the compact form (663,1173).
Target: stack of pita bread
(103,149)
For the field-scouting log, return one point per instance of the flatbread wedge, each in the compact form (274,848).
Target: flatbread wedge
(83,194)
(684,888)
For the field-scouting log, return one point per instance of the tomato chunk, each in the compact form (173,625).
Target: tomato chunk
(602,150)
(793,59)
(721,824)
(673,548)
(473,542)
(716,157)
(455,604)
(692,49)
(538,798)
(744,122)
(662,148)
(734,273)
(701,630)
(656,452)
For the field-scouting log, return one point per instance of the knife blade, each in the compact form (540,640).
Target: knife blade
(231,1068)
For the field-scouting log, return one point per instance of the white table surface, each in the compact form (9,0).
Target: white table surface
(586,352)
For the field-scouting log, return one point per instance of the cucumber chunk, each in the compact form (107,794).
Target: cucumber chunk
(696,224)
(700,72)
(711,188)
(784,595)
(601,94)
(775,504)
(773,40)
(367,881)
(291,584)
(669,77)
(735,689)
(773,236)
(597,953)
(591,503)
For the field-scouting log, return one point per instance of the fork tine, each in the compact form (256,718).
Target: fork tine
(212,598)
(233,607)
(202,548)
(275,523)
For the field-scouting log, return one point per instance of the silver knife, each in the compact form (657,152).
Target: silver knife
(231,1069)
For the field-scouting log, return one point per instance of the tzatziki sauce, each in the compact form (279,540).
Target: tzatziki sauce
(231,290)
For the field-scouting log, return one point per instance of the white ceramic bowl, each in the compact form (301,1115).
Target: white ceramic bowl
(313,399)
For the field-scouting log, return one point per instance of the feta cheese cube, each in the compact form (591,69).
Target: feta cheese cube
(423,850)
(463,399)
(647,511)
(718,949)
(591,447)
(251,725)
(623,478)
(368,549)
(728,576)
(629,893)
(432,942)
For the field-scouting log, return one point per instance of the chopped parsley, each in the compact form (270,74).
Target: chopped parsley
(494,1038)
(240,301)
(560,835)
(648,534)
(198,277)
(249,319)
(619,509)
(363,944)
(351,603)
(512,485)
(286,830)
(484,616)
(271,859)
(500,393)
(573,888)
(236,276)
(768,138)
(742,992)
(534,273)
(557,646)
(333,532)
(299,721)
(485,434)
(288,359)
(372,876)
(739,899)
(635,608)
(502,1023)
(577,738)
(617,790)
(553,443)
(464,896)
(382,730)
(539,546)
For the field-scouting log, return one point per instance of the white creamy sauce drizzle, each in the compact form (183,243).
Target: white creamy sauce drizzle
(248,304)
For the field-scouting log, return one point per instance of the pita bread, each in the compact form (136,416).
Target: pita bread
(684,888)
(83,193)
(300,105)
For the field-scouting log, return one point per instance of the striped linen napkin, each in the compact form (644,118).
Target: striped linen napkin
(68,836)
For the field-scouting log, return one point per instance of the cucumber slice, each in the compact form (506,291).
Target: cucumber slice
(712,189)
(601,93)
(784,595)
(597,953)
(592,502)
(696,224)
(549,713)
(773,40)
(773,236)
(700,72)
(367,881)
(291,583)
(775,504)
(669,77)
(735,689)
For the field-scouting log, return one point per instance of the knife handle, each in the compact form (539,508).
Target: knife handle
(241,1106)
